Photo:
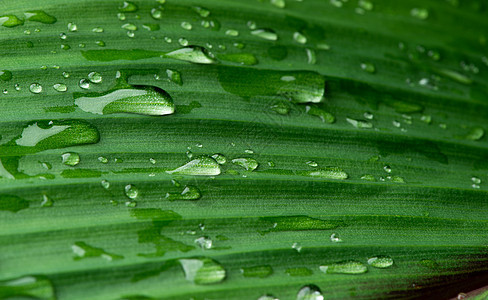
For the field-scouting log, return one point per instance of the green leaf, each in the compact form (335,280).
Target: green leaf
(243,149)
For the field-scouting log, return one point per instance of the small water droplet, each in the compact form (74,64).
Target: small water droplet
(475,134)
(131,191)
(97,29)
(266,34)
(310,292)
(194,54)
(46,201)
(419,13)
(128,6)
(328,173)
(156,13)
(380,261)
(312,163)
(188,193)
(186,25)
(204,242)
(70,158)
(105,184)
(35,88)
(232,32)
(250,164)
(278,3)
(84,83)
(297,247)
(387,169)
(335,238)
(366,5)
(72,27)
(368,67)
(368,115)
(299,38)
(174,76)
(83,250)
(475,180)
(27,287)
(103,160)
(95,77)
(359,123)
(203,12)
(219,158)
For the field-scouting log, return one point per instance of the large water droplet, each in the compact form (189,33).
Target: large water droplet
(203,270)
(194,54)
(40,16)
(144,100)
(310,292)
(31,287)
(345,267)
(10,21)
(202,165)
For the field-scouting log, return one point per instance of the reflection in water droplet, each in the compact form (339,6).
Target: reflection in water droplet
(95,77)
(204,242)
(335,238)
(203,270)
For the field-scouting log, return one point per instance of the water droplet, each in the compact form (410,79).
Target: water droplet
(185,25)
(131,191)
(336,3)
(328,173)
(103,160)
(232,32)
(281,108)
(46,201)
(368,177)
(70,158)
(10,21)
(95,77)
(300,271)
(299,38)
(219,158)
(475,134)
(84,84)
(202,165)
(188,193)
(387,169)
(323,46)
(204,242)
(257,271)
(10,202)
(156,13)
(40,16)
(368,115)
(97,29)
(335,238)
(129,26)
(128,6)
(194,54)
(359,123)
(266,34)
(203,12)
(121,16)
(35,88)
(311,56)
(345,267)
(278,3)
(475,180)
(72,27)
(310,292)
(5,75)
(380,261)
(60,87)
(312,163)
(83,250)
(144,100)
(419,13)
(174,76)
(105,184)
(27,287)
(366,5)
(203,270)
(325,116)
(250,164)
(368,67)
(100,43)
